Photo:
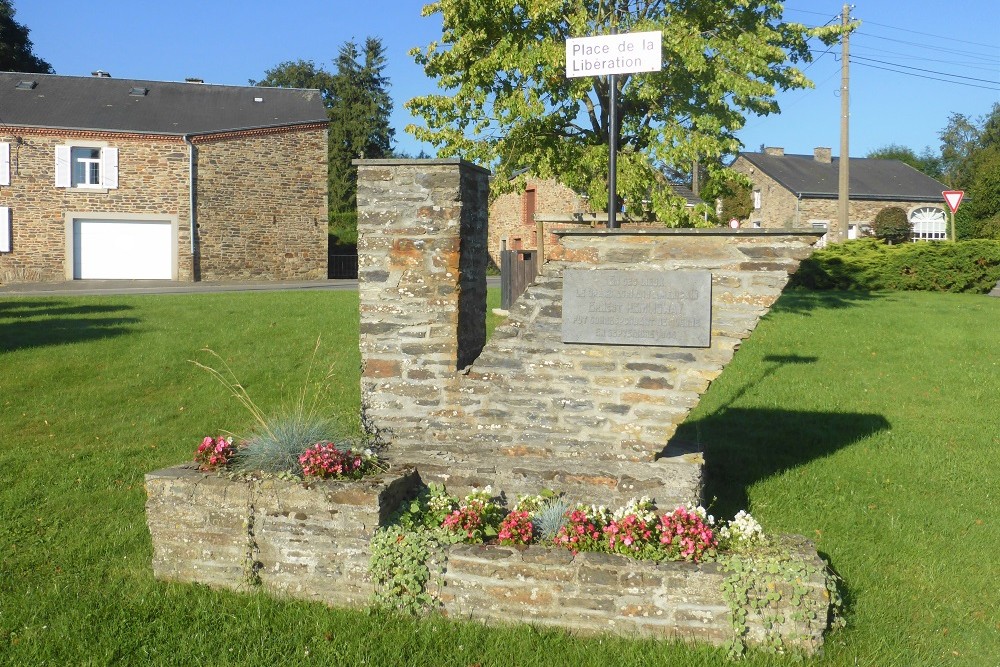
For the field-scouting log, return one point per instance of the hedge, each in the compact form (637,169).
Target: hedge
(933,266)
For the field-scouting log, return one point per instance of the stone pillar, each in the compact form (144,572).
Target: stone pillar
(422,283)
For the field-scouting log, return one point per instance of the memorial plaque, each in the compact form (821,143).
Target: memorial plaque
(615,307)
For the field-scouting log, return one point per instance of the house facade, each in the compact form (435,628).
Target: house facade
(795,191)
(104,178)
(512,224)
(512,214)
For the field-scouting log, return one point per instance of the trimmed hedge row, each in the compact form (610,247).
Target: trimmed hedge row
(869,264)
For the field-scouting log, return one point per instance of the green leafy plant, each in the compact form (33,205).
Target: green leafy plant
(277,441)
(892,225)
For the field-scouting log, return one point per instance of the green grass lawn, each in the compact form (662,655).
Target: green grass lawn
(869,423)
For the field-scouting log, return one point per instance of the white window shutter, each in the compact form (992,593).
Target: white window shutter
(4,229)
(62,167)
(4,164)
(109,167)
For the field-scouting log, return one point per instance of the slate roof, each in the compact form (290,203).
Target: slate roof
(687,193)
(103,103)
(870,178)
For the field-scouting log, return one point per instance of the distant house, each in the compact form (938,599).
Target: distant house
(104,178)
(512,215)
(802,191)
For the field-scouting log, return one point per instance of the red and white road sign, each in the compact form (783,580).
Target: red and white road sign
(953,198)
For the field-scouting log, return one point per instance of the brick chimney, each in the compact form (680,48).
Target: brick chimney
(776,151)
(823,155)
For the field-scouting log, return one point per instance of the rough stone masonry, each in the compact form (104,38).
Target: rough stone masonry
(528,411)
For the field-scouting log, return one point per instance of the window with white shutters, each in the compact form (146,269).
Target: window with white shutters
(86,167)
(4,164)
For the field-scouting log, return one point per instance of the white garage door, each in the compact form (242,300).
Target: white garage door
(122,249)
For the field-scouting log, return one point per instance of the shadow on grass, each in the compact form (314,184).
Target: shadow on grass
(745,445)
(27,324)
(803,301)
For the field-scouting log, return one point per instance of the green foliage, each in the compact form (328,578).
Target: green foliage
(16,50)
(892,225)
(989,228)
(277,449)
(760,579)
(359,118)
(984,190)
(343,228)
(927,162)
(358,104)
(868,264)
(734,192)
(507,103)
(550,518)
(401,566)
(299,74)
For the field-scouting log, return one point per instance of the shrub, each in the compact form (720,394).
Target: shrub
(892,226)
(867,264)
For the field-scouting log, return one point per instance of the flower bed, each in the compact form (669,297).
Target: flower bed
(628,571)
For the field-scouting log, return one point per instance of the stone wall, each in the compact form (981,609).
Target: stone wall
(422,282)
(305,542)
(261,202)
(262,206)
(532,412)
(598,592)
(152,180)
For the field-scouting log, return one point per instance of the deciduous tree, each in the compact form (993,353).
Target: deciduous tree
(927,162)
(506,101)
(16,50)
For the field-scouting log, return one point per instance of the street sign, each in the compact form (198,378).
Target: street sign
(602,55)
(953,198)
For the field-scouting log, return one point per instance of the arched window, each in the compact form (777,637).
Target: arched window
(929,224)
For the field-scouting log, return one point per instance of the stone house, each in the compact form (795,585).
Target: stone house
(512,224)
(794,191)
(512,214)
(104,178)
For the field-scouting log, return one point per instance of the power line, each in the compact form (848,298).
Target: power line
(928,71)
(930,78)
(971,54)
(898,54)
(929,34)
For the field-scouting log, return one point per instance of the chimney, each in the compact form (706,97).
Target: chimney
(775,151)
(100,74)
(823,155)
(193,79)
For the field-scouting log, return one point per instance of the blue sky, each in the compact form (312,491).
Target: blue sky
(229,42)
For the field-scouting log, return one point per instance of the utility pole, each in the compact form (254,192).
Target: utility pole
(843,199)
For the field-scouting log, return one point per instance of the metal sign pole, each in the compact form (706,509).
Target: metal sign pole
(613,146)
(612,151)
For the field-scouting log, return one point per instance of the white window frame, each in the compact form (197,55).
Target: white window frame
(928,230)
(756,199)
(107,167)
(5,230)
(4,163)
